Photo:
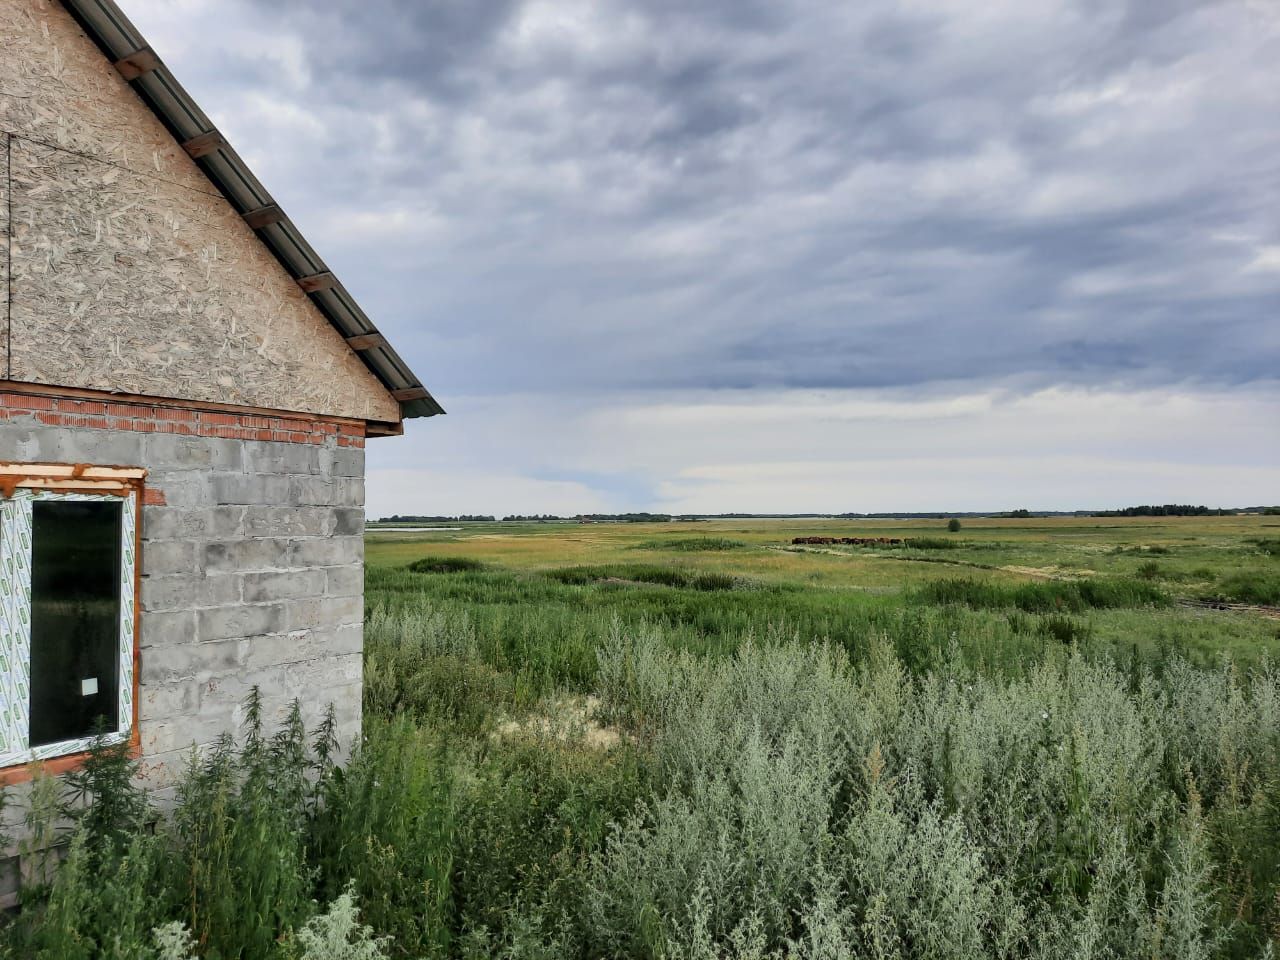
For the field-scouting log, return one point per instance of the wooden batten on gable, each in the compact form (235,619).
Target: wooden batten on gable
(133,65)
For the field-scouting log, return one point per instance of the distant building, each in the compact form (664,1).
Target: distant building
(185,395)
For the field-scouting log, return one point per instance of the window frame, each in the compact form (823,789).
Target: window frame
(21,485)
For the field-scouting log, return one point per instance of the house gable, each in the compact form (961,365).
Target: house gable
(128,271)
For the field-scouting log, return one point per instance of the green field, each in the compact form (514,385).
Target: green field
(840,592)
(693,741)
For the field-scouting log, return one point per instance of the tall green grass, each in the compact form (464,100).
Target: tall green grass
(1249,587)
(261,828)
(445,565)
(937,543)
(694,544)
(1069,596)
(541,633)
(623,573)
(1267,545)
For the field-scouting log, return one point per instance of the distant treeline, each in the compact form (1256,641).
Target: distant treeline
(593,518)
(625,517)
(1167,510)
(690,517)
(398,518)
(1146,510)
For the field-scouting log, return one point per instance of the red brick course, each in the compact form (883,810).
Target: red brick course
(158,418)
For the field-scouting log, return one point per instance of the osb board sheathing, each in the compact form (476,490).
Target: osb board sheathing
(128,282)
(130,272)
(57,87)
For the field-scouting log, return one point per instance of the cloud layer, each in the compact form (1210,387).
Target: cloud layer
(593,205)
(859,450)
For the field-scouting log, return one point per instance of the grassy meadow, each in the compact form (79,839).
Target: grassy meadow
(1028,738)
(563,583)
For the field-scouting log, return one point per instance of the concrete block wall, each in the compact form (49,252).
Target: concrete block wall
(252,559)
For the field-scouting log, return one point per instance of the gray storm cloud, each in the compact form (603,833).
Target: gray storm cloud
(652,194)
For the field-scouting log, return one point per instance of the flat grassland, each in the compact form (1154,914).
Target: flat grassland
(1215,580)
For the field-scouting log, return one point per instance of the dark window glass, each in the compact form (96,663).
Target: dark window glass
(75,618)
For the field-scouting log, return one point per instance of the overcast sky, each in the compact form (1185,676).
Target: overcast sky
(783,255)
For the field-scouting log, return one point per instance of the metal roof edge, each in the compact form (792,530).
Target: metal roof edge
(122,44)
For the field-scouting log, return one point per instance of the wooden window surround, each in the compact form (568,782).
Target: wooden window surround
(22,486)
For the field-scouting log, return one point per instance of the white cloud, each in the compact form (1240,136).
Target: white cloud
(1265,260)
(843,450)
(454,492)
(919,484)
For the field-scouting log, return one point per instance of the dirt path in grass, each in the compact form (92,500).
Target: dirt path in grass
(1272,613)
(1035,573)
(1042,573)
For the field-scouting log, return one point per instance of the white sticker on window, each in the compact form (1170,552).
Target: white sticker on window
(88,686)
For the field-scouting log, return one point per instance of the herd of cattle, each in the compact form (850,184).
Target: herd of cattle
(852,541)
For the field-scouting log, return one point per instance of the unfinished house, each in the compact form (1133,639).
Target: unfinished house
(185,395)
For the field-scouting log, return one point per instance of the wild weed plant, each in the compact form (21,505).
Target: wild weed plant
(1084,810)
(935,781)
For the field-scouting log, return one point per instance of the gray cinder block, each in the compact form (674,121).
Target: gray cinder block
(253,574)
